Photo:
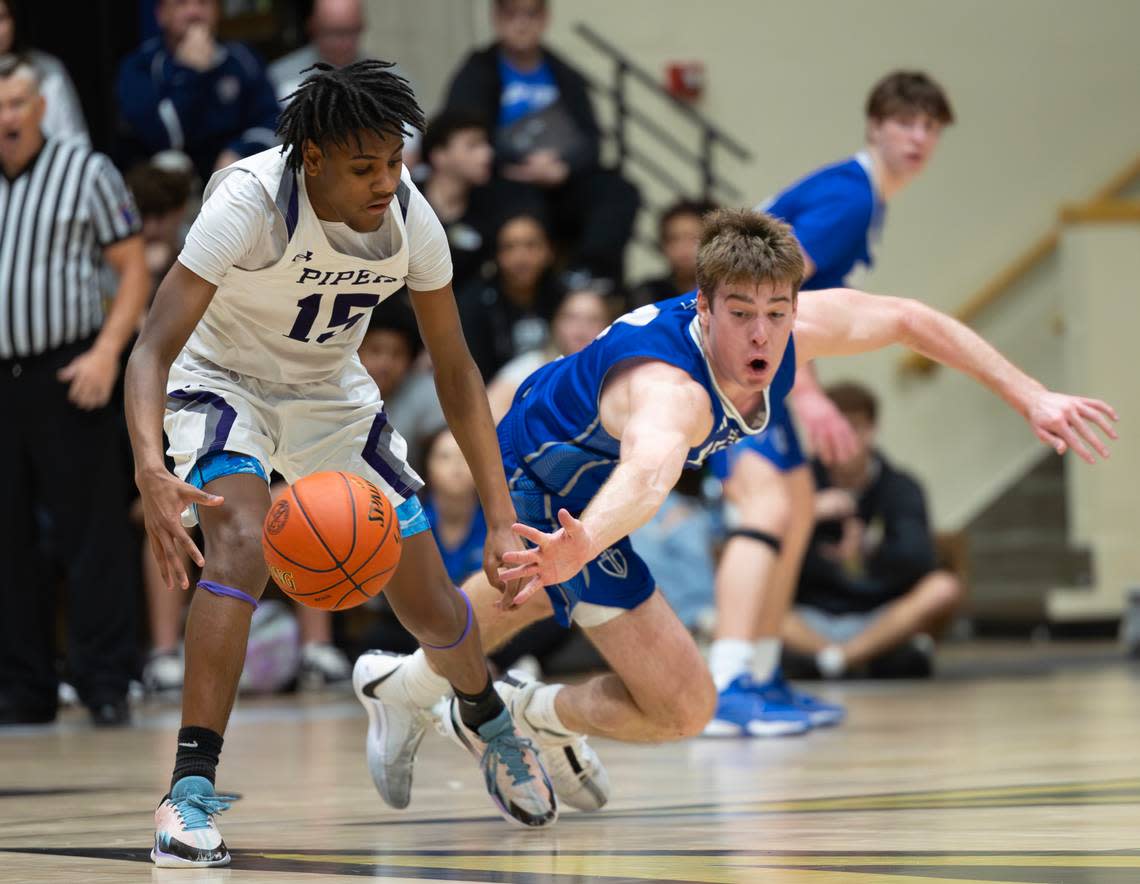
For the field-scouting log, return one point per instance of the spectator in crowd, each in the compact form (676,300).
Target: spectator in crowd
(460,189)
(63,117)
(185,90)
(547,137)
(452,507)
(869,585)
(161,188)
(334,29)
(510,313)
(679,235)
(390,351)
(59,359)
(677,544)
(580,317)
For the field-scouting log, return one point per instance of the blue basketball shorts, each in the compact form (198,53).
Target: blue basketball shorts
(779,444)
(617,580)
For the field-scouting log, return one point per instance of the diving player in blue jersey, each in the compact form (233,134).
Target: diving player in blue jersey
(836,212)
(594,442)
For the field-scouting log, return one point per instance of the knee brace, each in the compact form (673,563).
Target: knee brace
(759,536)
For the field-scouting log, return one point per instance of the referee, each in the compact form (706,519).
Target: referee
(64,210)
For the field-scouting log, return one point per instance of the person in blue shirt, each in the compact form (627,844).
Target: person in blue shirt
(452,507)
(185,91)
(837,213)
(547,140)
(594,442)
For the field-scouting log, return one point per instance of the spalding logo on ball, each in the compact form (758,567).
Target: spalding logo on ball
(331,541)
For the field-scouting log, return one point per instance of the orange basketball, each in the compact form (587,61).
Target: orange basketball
(331,540)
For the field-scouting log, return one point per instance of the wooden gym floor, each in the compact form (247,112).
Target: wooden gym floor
(1029,775)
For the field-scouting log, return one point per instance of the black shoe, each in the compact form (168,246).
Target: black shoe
(110,712)
(914,658)
(13,711)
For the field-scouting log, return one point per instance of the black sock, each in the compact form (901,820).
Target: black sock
(478,709)
(198,751)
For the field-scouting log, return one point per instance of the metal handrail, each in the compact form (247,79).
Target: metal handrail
(711,136)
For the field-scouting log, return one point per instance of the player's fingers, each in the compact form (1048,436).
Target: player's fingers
(521,556)
(1099,417)
(176,573)
(1074,442)
(198,495)
(189,546)
(1054,442)
(527,592)
(568,522)
(528,533)
(1102,407)
(518,573)
(1089,435)
(159,554)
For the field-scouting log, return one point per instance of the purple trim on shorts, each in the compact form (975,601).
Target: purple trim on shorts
(224,419)
(466,629)
(229,591)
(374,450)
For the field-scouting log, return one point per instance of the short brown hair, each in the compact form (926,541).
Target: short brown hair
(739,245)
(909,92)
(852,399)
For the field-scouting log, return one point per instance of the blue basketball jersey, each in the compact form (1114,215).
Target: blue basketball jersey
(553,434)
(835,213)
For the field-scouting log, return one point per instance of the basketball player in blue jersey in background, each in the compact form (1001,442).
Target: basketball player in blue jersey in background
(251,346)
(594,442)
(836,213)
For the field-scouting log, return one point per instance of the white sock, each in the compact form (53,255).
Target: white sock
(540,711)
(765,658)
(831,661)
(728,658)
(423,684)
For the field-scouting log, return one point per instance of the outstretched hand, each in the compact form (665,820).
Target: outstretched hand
(553,559)
(829,433)
(1066,422)
(164,497)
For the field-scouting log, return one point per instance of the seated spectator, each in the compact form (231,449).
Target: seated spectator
(510,313)
(185,90)
(389,352)
(161,188)
(334,29)
(547,137)
(452,507)
(869,586)
(677,544)
(63,117)
(459,187)
(580,318)
(679,235)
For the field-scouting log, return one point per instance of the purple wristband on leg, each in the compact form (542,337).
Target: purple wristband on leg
(466,629)
(222,589)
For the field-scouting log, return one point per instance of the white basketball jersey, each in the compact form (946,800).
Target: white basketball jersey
(299,319)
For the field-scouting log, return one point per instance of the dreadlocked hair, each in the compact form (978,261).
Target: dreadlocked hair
(337,104)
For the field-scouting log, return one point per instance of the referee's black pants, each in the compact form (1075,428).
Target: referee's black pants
(66,491)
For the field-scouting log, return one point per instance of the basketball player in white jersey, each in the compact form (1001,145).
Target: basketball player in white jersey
(249,358)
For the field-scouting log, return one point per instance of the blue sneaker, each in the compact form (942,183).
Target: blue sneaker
(742,712)
(514,776)
(820,713)
(184,830)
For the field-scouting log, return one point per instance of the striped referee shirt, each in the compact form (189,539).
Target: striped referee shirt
(56,217)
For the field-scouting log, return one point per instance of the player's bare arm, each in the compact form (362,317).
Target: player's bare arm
(843,321)
(658,413)
(464,401)
(181,300)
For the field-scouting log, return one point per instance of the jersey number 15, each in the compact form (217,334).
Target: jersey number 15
(342,318)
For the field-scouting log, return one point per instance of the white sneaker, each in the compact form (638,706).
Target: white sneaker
(164,672)
(323,664)
(184,830)
(396,725)
(512,772)
(579,777)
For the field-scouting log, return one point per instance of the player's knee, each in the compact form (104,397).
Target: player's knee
(769,511)
(686,713)
(233,552)
(437,616)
